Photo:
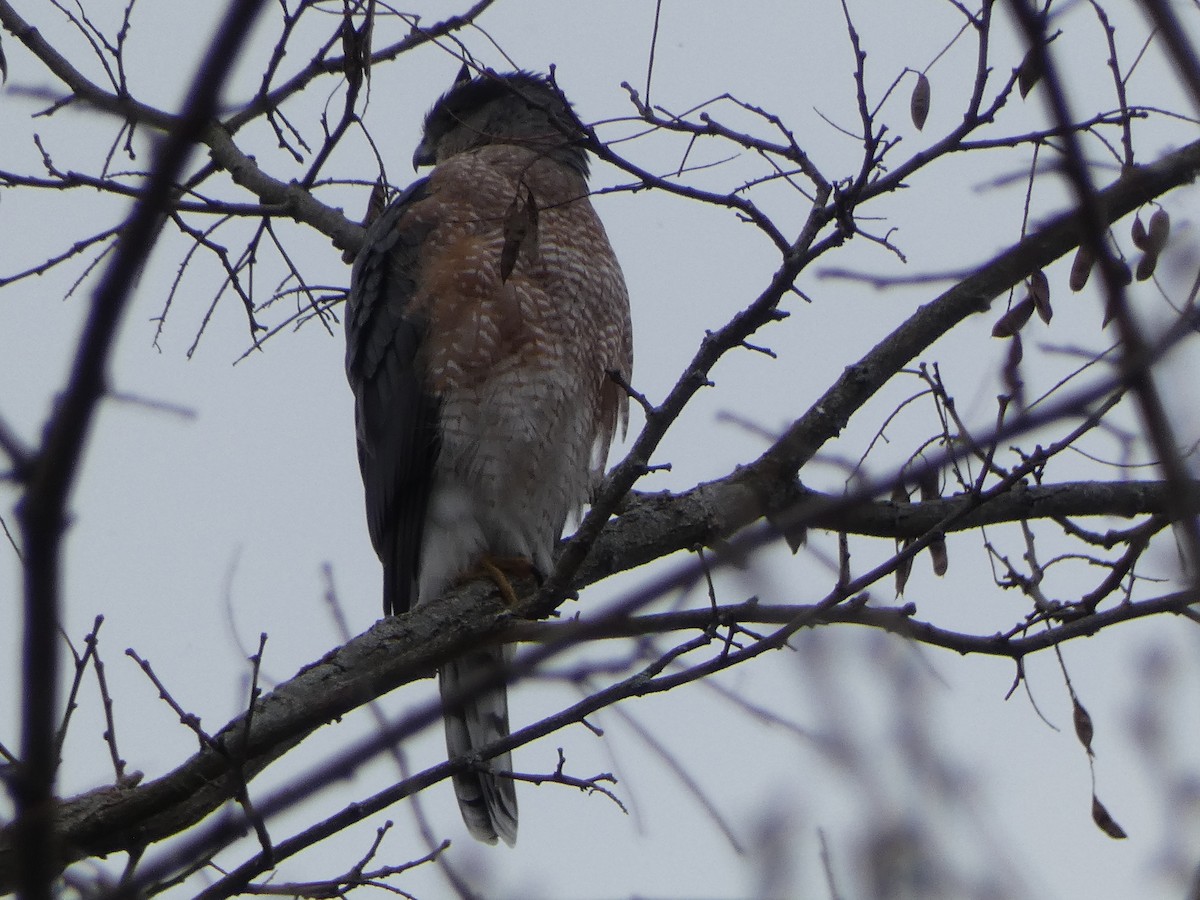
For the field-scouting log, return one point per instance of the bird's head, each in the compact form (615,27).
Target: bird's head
(520,108)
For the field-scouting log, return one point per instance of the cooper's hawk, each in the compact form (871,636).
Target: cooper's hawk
(486,310)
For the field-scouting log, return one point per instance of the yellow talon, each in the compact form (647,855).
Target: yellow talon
(498,568)
(506,589)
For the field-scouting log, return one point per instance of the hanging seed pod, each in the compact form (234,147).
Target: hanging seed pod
(1146,265)
(1137,231)
(1105,822)
(1014,384)
(1039,290)
(918,105)
(354,61)
(1081,269)
(1160,230)
(927,484)
(1084,730)
(903,570)
(1029,73)
(1013,320)
(376,203)
(939,556)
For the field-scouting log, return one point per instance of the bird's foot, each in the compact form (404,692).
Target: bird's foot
(498,569)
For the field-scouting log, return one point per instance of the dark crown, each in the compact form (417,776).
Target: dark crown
(537,92)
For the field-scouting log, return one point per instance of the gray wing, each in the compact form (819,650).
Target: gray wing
(395,416)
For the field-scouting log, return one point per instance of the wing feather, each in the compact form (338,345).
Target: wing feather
(395,413)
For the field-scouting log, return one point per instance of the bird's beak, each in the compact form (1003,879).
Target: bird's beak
(423,155)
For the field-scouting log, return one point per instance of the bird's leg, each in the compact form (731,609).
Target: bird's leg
(498,569)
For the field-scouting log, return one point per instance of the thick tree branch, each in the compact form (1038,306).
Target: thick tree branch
(403,649)
(1094,218)
(297,202)
(647,527)
(394,652)
(775,469)
(654,527)
(895,619)
(718,509)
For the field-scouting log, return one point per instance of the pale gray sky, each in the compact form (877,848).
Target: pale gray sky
(192,536)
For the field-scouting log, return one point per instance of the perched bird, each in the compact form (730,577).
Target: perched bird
(486,313)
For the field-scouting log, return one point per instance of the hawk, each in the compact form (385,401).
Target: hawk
(486,313)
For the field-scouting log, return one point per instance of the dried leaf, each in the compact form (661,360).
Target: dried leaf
(919,104)
(520,232)
(1160,230)
(1081,268)
(1039,290)
(1084,730)
(1105,822)
(1137,231)
(1147,264)
(937,553)
(1013,320)
(1029,73)
(903,570)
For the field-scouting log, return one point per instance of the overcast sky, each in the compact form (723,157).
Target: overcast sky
(193,534)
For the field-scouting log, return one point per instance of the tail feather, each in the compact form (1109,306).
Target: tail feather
(488,802)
